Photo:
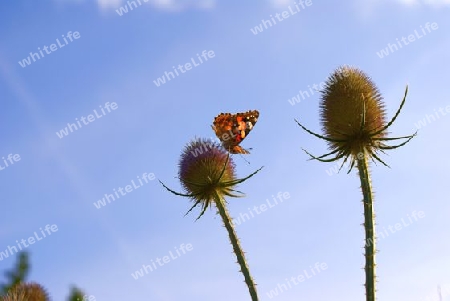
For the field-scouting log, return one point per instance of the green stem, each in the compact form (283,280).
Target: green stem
(369,227)
(221,208)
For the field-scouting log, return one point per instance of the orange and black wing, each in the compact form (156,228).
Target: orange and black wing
(232,129)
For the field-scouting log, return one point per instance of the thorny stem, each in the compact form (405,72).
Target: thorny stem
(221,208)
(369,227)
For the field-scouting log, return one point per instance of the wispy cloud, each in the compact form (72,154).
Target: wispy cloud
(21,94)
(368,9)
(165,5)
(105,4)
(281,3)
(435,3)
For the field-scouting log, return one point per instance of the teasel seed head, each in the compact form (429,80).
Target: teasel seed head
(353,118)
(206,171)
(27,292)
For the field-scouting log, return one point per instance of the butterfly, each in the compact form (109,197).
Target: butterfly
(231,129)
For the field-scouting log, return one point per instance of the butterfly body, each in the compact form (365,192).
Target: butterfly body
(231,129)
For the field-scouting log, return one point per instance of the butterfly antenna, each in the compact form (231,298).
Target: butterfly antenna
(244,159)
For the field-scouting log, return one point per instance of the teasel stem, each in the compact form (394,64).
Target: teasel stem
(224,214)
(369,226)
(354,122)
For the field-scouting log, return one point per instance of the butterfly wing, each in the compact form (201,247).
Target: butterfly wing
(232,129)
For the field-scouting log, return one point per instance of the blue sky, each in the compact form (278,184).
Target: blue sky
(116,59)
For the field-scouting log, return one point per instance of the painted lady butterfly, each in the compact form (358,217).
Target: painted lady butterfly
(232,129)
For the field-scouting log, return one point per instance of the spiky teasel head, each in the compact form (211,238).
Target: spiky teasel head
(27,292)
(205,172)
(353,117)
(352,112)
